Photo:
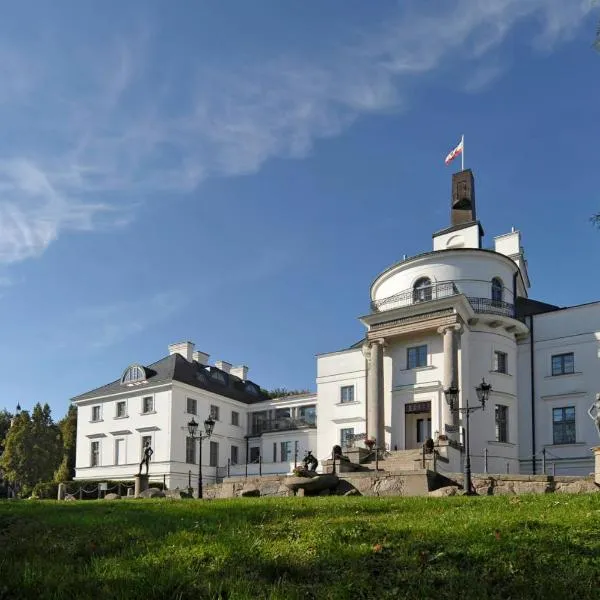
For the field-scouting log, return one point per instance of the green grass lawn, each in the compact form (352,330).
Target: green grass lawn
(326,547)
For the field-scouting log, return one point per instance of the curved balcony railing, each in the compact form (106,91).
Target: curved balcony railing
(478,293)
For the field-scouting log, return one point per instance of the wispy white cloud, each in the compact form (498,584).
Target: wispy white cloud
(130,133)
(99,327)
(483,77)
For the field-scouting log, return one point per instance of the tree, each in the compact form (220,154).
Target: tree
(5,419)
(15,458)
(33,448)
(68,430)
(283,392)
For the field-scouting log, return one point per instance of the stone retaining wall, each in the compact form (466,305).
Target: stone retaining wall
(493,485)
(414,483)
(418,483)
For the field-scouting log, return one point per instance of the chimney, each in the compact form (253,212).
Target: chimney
(240,371)
(186,349)
(224,366)
(463,198)
(201,357)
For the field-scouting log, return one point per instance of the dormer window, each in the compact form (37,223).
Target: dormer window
(218,376)
(133,374)
(251,389)
(422,289)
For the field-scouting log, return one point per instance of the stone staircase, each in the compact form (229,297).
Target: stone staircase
(402,460)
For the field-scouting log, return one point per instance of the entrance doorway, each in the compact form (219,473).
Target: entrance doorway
(417,422)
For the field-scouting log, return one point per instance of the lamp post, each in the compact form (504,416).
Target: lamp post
(209,425)
(483,392)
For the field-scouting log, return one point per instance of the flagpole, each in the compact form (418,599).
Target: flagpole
(462,154)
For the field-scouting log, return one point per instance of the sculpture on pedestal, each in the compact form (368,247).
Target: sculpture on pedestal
(310,462)
(147,453)
(595,408)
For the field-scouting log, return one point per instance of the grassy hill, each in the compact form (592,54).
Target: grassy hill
(327,547)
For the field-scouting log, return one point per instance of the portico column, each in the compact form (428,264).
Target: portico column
(375,406)
(450,335)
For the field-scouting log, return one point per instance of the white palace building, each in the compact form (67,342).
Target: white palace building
(448,317)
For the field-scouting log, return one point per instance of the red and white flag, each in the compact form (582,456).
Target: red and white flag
(458,150)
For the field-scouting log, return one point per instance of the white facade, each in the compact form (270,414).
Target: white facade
(406,361)
(115,421)
(445,318)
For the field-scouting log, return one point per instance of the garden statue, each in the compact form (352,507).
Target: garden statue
(310,462)
(596,418)
(148,452)
(428,445)
(337,451)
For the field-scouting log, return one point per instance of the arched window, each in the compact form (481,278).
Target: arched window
(497,290)
(134,373)
(422,289)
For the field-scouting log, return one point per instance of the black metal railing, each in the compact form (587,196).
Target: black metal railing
(443,289)
(474,290)
(494,307)
(281,424)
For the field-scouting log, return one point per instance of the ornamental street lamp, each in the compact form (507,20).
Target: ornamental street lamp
(195,434)
(451,393)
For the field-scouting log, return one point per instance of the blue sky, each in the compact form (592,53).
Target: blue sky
(236,173)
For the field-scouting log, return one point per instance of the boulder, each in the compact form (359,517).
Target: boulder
(312,485)
(70,497)
(112,497)
(252,493)
(449,490)
(152,493)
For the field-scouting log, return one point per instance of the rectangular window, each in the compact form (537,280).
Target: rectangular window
(95,413)
(416,357)
(120,452)
(192,406)
(563,364)
(274,451)
(234,455)
(121,409)
(501,423)
(214,454)
(308,414)
(147,404)
(347,393)
(563,425)
(286,451)
(190,450)
(344,434)
(235,418)
(215,412)
(500,362)
(254,454)
(94,454)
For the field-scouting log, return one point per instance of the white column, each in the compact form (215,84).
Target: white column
(375,406)
(450,334)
